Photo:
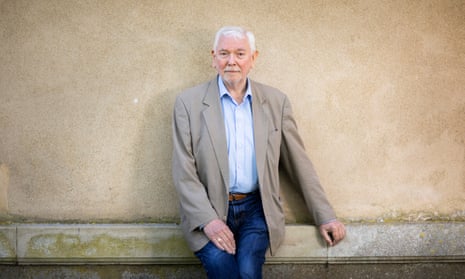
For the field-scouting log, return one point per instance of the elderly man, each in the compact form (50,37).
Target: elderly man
(230,135)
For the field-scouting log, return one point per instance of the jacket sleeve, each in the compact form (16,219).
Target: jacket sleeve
(298,166)
(195,207)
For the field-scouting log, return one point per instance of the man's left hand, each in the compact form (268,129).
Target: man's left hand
(333,232)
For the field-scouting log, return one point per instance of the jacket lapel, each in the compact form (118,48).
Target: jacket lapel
(213,117)
(260,122)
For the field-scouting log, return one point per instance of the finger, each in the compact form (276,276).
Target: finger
(337,238)
(219,243)
(225,240)
(228,234)
(229,248)
(229,243)
(339,234)
(326,237)
(224,244)
(229,237)
(324,231)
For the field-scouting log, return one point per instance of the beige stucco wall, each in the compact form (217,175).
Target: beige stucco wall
(87,87)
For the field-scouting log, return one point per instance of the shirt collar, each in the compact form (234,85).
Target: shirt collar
(224,90)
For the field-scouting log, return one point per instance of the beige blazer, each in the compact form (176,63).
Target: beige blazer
(200,160)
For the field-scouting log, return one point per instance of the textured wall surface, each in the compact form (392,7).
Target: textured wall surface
(87,87)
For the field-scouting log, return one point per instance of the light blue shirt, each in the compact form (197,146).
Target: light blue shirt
(240,140)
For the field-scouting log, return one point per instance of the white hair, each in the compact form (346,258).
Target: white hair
(236,32)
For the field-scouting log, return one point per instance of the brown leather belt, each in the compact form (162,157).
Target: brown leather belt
(238,196)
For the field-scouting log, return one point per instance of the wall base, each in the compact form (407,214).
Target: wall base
(271,271)
(419,250)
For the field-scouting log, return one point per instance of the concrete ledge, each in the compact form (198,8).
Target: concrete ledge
(164,244)
(401,243)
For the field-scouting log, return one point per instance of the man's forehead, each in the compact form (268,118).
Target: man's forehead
(230,42)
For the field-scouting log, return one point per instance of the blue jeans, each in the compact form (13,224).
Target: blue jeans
(247,222)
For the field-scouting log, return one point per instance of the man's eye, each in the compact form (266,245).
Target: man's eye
(223,54)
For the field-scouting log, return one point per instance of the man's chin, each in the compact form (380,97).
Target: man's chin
(233,81)
(232,77)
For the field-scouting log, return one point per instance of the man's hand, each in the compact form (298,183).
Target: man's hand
(333,232)
(220,234)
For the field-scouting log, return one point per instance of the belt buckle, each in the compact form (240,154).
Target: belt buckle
(237,196)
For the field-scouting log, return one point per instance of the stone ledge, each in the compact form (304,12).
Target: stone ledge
(164,244)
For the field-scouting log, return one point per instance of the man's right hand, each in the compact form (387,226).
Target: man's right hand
(220,234)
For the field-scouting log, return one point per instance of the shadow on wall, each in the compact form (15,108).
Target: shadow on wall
(293,202)
(155,198)
(182,67)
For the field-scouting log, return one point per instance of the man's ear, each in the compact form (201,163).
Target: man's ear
(255,54)
(254,57)
(213,58)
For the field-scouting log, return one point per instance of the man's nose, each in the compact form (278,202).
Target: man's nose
(231,59)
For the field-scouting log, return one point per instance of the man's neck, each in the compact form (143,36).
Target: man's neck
(237,90)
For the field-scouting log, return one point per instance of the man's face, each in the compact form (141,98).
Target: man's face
(233,60)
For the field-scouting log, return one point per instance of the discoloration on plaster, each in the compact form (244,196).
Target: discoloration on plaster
(64,245)
(6,251)
(395,217)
